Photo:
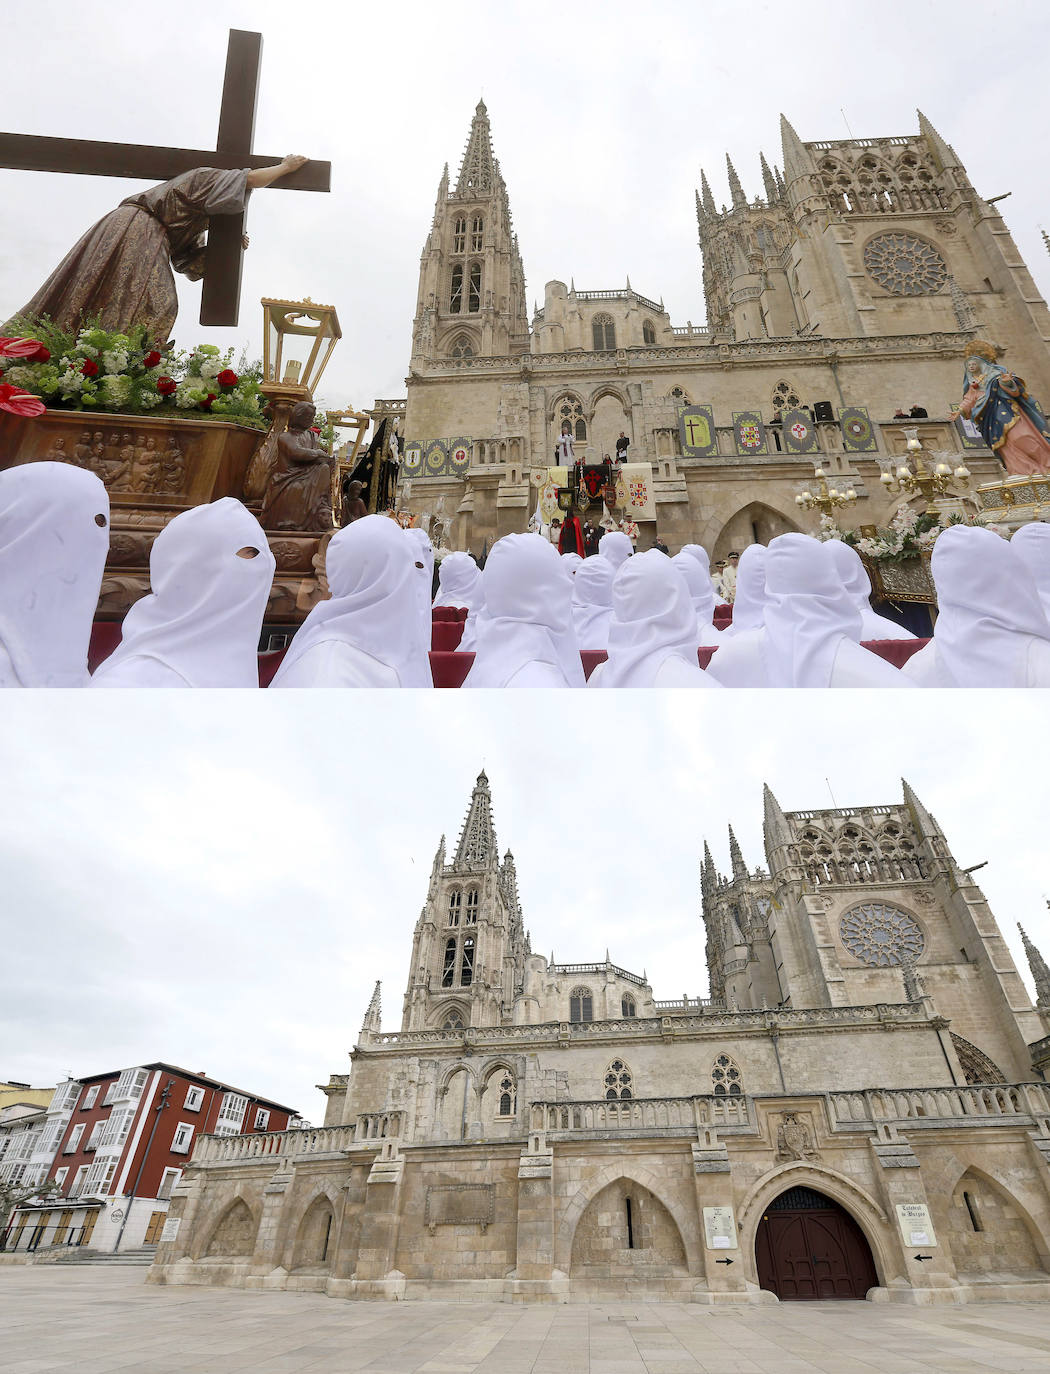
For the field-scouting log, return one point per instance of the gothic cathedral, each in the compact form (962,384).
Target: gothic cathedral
(854,1110)
(843,293)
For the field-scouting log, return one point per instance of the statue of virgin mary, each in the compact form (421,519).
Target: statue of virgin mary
(1011,423)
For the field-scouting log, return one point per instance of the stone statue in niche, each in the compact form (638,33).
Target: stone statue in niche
(299,487)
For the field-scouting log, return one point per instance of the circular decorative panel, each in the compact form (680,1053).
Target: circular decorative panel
(880,935)
(905,265)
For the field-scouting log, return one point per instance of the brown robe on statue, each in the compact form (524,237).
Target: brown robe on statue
(121,270)
(299,490)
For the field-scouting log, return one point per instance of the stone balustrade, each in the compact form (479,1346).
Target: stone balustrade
(313,1140)
(642,1115)
(1008,1103)
(378,1126)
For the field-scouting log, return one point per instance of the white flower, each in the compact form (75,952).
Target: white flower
(210,368)
(149,399)
(114,360)
(71,381)
(88,350)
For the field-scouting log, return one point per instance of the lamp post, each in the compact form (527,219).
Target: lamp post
(825,498)
(919,480)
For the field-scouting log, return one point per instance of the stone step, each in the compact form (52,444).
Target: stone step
(82,1255)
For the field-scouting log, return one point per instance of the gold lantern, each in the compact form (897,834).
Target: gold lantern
(299,337)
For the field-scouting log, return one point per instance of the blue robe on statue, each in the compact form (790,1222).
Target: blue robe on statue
(1002,397)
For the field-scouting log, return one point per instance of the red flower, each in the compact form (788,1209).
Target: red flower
(314,429)
(151,359)
(89,368)
(227,377)
(206,404)
(30,349)
(166,386)
(18,402)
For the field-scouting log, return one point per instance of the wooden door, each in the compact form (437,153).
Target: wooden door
(153,1230)
(62,1234)
(89,1226)
(809,1248)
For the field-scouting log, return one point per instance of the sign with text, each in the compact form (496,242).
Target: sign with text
(171,1229)
(720,1228)
(914,1220)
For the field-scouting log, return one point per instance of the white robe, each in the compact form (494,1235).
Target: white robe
(991,628)
(54,537)
(200,624)
(750,601)
(616,547)
(701,594)
(811,629)
(857,583)
(525,636)
(1031,543)
(370,633)
(652,637)
(592,603)
(459,585)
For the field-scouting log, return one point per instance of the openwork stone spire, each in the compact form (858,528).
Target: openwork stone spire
(1040,972)
(479,170)
(767,180)
(735,189)
(736,857)
(374,1013)
(477,839)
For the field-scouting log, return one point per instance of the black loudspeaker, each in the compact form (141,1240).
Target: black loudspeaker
(823,413)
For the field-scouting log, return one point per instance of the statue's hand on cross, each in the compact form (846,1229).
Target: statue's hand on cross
(266,176)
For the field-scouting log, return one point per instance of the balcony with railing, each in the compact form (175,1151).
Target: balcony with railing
(1008,1104)
(641,1116)
(314,1140)
(558,969)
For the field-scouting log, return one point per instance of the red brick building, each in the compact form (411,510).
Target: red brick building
(123,1149)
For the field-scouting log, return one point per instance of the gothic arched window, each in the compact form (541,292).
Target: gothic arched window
(459,236)
(455,295)
(648,332)
(472,907)
(618,1082)
(477,230)
(726,1078)
(474,300)
(785,397)
(455,900)
(627,1006)
(604,332)
(448,973)
(466,963)
(453,1021)
(462,347)
(507,1095)
(581,1005)
(569,408)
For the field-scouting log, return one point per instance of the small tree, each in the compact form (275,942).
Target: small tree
(13,1194)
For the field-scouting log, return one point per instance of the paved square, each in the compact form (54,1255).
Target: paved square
(104,1319)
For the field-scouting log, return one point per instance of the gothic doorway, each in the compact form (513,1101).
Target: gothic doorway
(808,1247)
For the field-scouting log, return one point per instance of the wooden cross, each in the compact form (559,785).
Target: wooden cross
(221,296)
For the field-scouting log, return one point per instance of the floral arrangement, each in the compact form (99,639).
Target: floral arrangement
(909,534)
(104,370)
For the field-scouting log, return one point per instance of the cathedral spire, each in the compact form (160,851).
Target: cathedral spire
(924,822)
(708,877)
(943,155)
(736,858)
(706,198)
(1040,972)
(479,170)
(373,1016)
(774,823)
(477,839)
(797,161)
(735,189)
(767,180)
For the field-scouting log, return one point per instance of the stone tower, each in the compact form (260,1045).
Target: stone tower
(471,281)
(469,947)
(866,238)
(863,905)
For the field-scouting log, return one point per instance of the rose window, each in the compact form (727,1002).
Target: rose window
(905,265)
(881,935)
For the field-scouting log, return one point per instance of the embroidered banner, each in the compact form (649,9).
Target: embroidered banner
(798,432)
(857,433)
(593,477)
(439,457)
(634,491)
(749,433)
(413,458)
(696,429)
(556,477)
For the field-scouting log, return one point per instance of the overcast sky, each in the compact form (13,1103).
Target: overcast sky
(602,114)
(217,880)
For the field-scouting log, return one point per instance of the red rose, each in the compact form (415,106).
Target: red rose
(18,402)
(151,359)
(89,369)
(206,404)
(227,377)
(314,429)
(166,386)
(29,349)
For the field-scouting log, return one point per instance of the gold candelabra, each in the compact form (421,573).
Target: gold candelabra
(825,498)
(919,480)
